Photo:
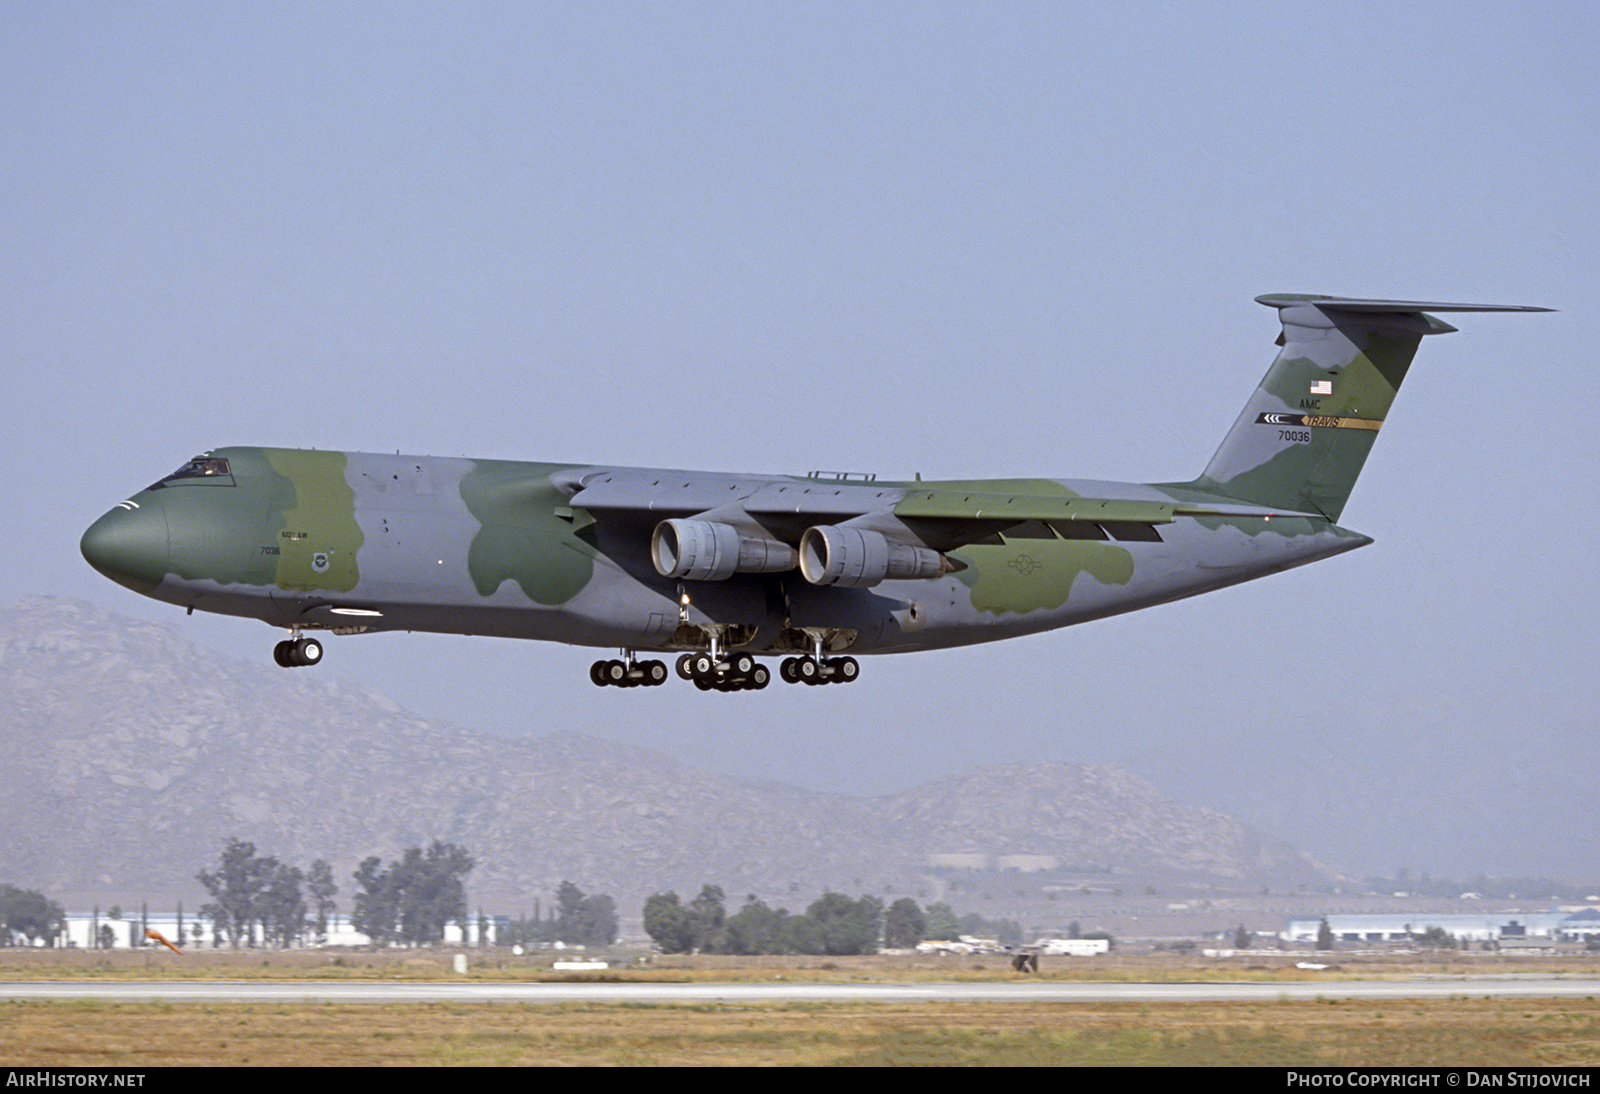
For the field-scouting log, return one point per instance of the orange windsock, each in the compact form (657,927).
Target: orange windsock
(151,932)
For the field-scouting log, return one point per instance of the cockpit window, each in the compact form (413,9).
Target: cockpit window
(210,470)
(203,467)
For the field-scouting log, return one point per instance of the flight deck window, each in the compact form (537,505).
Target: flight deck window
(201,469)
(212,470)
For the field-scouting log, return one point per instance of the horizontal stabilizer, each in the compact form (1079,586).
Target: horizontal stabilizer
(1350,304)
(1306,433)
(1412,312)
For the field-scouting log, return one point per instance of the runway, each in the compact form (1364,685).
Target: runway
(536,994)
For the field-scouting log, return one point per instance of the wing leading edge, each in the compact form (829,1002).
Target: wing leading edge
(710,527)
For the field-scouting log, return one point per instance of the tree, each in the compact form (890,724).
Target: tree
(709,917)
(376,905)
(438,892)
(585,920)
(847,926)
(701,927)
(905,925)
(27,912)
(1324,935)
(282,906)
(235,887)
(942,922)
(754,929)
(569,903)
(1241,938)
(414,898)
(669,923)
(321,887)
(1435,938)
(597,921)
(801,934)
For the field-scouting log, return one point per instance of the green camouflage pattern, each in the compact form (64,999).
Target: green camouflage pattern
(659,559)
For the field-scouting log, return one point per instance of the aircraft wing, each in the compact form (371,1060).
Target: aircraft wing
(709,527)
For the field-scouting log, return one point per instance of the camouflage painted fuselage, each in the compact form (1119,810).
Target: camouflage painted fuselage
(321,539)
(355,542)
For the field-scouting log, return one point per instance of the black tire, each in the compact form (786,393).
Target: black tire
(760,677)
(848,668)
(307,651)
(683,666)
(807,671)
(597,674)
(655,673)
(280,654)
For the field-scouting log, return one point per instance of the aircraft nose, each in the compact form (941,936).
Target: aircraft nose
(129,544)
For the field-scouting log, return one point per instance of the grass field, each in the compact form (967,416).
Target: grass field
(1459,1031)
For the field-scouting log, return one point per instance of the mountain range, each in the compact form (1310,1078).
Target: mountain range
(133,755)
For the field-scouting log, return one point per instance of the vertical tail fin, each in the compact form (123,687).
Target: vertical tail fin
(1306,432)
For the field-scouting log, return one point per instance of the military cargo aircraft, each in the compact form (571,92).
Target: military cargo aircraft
(723,569)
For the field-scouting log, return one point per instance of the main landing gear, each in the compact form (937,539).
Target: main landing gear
(737,672)
(733,672)
(811,670)
(297,653)
(628,674)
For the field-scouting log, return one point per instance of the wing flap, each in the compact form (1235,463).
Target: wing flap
(1016,508)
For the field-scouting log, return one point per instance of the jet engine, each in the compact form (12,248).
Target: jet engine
(831,554)
(704,550)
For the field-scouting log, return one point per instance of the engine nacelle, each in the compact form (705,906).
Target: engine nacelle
(858,558)
(704,550)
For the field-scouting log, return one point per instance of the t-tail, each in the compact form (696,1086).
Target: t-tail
(1306,432)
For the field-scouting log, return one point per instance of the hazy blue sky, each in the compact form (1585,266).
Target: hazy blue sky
(954,239)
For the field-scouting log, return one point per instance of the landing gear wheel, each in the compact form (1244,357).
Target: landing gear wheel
(846,669)
(684,662)
(760,677)
(808,671)
(742,664)
(786,670)
(655,673)
(597,674)
(297,653)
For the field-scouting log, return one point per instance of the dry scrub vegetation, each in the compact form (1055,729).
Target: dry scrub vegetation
(1455,1032)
